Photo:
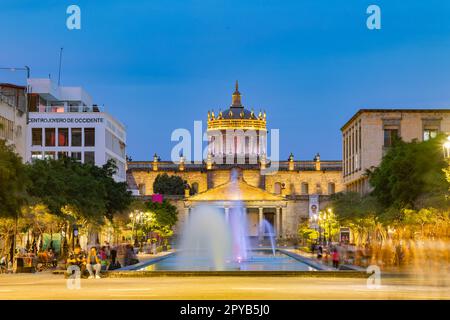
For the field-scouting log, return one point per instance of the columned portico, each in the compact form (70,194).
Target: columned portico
(277,226)
(260,223)
(258,205)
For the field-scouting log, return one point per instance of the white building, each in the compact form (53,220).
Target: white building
(63,122)
(13,117)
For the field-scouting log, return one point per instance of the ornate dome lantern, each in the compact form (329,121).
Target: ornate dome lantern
(237,131)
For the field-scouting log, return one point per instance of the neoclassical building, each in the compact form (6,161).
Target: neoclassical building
(283,192)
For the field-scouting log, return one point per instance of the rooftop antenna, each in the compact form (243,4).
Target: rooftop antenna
(60,60)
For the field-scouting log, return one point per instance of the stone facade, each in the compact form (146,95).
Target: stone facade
(366,135)
(281,197)
(291,187)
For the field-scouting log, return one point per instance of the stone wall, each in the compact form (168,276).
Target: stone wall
(291,179)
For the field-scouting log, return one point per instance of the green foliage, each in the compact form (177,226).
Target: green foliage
(305,232)
(117,197)
(86,191)
(411,175)
(13,181)
(351,207)
(169,185)
(166,214)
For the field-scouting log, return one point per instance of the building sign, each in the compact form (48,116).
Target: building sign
(313,205)
(66,120)
(344,235)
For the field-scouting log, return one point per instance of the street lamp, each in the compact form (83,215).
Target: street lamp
(320,230)
(330,213)
(13,69)
(446,147)
(314,221)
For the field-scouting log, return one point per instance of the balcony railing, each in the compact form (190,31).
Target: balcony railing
(63,108)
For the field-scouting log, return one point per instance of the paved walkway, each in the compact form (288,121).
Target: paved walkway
(48,286)
(323,261)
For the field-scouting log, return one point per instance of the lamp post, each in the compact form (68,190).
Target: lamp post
(446,147)
(13,69)
(314,221)
(330,213)
(318,218)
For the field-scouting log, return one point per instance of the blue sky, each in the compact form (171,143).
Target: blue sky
(159,65)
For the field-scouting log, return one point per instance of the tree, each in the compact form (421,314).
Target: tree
(166,214)
(411,175)
(83,191)
(13,182)
(169,185)
(70,185)
(117,197)
(359,213)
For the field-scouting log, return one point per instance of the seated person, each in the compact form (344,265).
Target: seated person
(103,258)
(114,262)
(93,264)
(77,258)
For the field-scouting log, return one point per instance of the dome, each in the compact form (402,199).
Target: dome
(236,116)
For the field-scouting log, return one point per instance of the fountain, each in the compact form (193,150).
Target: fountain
(208,235)
(214,241)
(268,229)
(206,239)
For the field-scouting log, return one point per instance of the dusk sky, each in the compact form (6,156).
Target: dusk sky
(159,65)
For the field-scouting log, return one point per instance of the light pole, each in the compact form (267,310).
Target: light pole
(330,214)
(13,69)
(446,147)
(136,216)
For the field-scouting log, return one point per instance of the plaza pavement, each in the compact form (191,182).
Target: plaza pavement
(48,286)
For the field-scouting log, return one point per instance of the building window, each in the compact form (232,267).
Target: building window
(89,157)
(429,134)
(49,155)
(36,155)
(6,129)
(389,136)
(194,188)
(36,136)
(277,188)
(331,188)
(305,188)
(76,156)
(76,137)
(63,137)
(50,137)
(318,188)
(63,154)
(89,137)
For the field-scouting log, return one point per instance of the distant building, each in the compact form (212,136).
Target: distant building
(13,116)
(294,193)
(370,132)
(63,122)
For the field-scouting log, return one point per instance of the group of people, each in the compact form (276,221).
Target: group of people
(330,250)
(105,258)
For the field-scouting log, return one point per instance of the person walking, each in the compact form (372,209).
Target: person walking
(335,257)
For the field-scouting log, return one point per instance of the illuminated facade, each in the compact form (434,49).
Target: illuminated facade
(237,140)
(237,135)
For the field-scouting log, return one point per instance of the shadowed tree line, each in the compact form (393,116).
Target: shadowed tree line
(54,196)
(408,202)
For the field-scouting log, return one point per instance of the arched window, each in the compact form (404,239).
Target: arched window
(194,188)
(331,188)
(318,188)
(277,188)
(305,188)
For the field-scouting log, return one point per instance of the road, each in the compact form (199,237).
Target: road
(48,286)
